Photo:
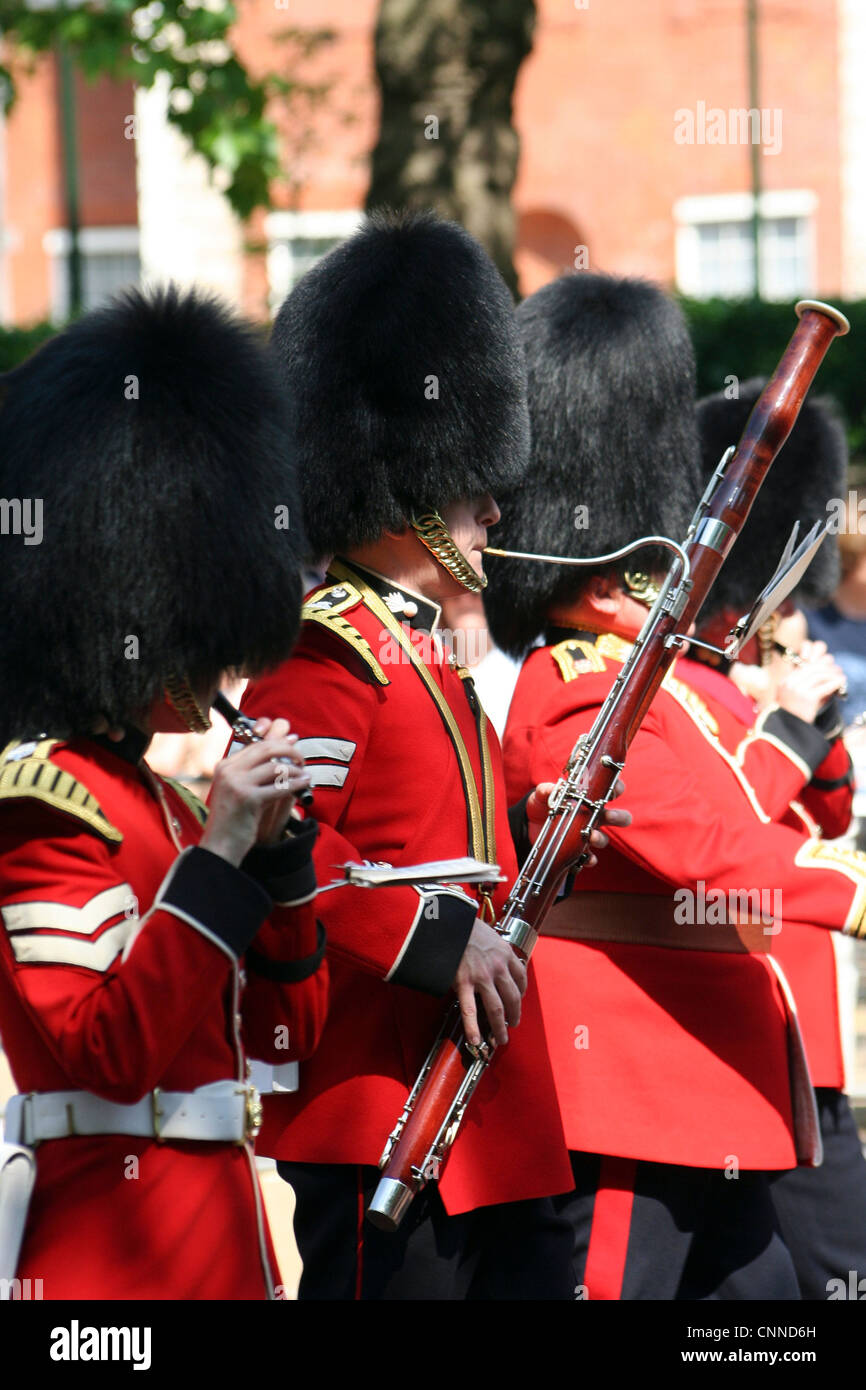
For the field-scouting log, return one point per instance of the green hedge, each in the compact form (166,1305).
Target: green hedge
(746,338)
(18,343)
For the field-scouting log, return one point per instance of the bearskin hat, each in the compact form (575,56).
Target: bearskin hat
(614,443)
(403,363)
(811,468)
(151,438)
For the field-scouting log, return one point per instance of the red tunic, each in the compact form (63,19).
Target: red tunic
(388,788)
(119,972)
(777,764)
(683,1058)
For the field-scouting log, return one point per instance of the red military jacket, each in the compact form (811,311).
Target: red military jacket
(676,1055)
(381,735)
(803,782)
(121,948)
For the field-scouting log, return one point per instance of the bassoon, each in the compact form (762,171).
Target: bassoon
(420,1143)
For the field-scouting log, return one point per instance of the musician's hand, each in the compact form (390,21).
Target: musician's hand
(252,794)
(807,686)
(537,808)
(490,969)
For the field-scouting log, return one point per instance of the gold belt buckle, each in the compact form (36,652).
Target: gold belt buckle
(254,1113)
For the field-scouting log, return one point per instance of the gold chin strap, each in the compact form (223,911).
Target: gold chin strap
(432,532)
(766,635)
(183,702)
(641,587)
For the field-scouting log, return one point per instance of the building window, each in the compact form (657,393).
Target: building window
(296,240)
(109,262)
(715,250)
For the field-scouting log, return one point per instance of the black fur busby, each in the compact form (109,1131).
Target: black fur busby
(810,469)
(403,362)
(151,440)
(614,443)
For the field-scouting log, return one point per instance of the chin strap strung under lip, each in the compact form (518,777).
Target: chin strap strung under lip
(434,534)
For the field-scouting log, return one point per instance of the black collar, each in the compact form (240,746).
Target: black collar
(407,605)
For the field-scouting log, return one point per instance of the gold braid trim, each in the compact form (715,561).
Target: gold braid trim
(432,532)
(326,606)
(37,778)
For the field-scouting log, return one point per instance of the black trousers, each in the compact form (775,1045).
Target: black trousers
(518,1250)
(822,1211)
(664,1232)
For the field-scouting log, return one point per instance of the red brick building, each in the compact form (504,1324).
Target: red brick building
(636,139)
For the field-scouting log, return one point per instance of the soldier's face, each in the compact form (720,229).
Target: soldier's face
(468,521)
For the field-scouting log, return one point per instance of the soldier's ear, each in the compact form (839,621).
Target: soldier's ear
(604,594)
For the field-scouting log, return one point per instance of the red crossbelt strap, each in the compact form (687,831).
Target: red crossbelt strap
(611,1223)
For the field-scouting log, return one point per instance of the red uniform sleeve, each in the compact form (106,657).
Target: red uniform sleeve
(115,986)
(784,759)
(694,824)
(400,934)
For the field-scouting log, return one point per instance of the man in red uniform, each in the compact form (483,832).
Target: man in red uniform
(401,352)
(677,1058)
(796,760)
(154,437)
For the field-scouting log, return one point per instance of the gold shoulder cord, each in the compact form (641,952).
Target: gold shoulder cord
(386,617)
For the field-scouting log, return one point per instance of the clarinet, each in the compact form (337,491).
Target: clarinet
(418,1148)
(243,729)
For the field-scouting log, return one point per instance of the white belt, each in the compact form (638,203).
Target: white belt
(223,1112)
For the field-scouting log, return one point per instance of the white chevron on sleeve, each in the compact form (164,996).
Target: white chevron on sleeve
(32,944)
(69,950)
(342,750)
(83,921)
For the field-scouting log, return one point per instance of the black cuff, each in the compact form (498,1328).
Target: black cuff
(289,971)
(829,719)
(439,938)
(519,823)
(217,897)
(286,870)
(804,740)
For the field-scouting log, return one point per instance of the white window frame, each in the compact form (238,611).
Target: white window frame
(282,228)
(92,241)
(690,213)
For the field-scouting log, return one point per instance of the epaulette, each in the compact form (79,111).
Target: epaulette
(326,606)
(575,657)
(190,800)
(26,771)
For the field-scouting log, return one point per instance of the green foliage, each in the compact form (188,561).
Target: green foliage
(745,338)
(217,104)
(16,344)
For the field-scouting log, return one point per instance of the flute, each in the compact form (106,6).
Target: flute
(243,728)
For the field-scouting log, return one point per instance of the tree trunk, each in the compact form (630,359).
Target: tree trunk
(447,70)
